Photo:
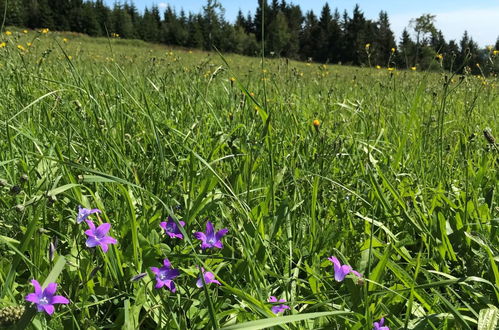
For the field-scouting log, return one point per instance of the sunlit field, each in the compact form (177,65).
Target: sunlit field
(164,188)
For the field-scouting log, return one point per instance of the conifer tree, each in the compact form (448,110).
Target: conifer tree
(385,41)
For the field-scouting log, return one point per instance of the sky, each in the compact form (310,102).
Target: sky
(479,17)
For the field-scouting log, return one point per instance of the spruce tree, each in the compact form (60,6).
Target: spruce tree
(325,30)
(385,41)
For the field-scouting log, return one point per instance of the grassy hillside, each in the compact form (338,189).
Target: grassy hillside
(388,171)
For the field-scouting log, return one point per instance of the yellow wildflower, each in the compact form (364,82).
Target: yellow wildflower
(20,47)
(3,44)
(25,31)
(8,33)
(70,57)
(29,44)
(316,123)
(190,52)
(252,94)
(393,50)
(439,56)
(232,79)
(391,69)
(64,40)
(44,31)
(413,68)
(378,67)
(496,52)
(368,46)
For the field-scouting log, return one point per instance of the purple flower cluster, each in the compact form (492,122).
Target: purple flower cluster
(209,239)
(165,275)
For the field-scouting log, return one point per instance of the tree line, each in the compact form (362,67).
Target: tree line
(279,28)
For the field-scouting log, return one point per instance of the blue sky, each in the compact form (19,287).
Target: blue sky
(479,17)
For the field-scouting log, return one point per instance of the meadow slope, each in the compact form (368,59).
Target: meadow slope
(395,178)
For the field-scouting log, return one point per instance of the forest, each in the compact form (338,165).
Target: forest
(283,27)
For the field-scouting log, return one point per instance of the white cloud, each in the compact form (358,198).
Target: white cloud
(162,5)
(481,24)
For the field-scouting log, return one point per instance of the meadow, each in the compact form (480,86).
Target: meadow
(394,173)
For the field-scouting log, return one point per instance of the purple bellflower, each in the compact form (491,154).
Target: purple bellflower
(165,275)
(171,228)
(340,271)
(45,299)
(98,236)
(208,278)
(210,239)
(276,309)
(380,325)
(83,213)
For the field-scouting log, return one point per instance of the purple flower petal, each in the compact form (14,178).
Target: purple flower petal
(170,285)
(155,270)
(102,230)
(167,263)
(340,271)
(221,233)
(108,240)
(210,278)
(49,309)
(356,273)
(104,247)
(200,235)
(90,223)
(59,300)
(209,229)
(276,309)
(380,325)
(32,297)
(50,290)
(92,242)
(38,288)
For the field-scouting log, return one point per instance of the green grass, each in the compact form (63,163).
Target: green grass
(398,182)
